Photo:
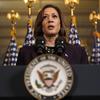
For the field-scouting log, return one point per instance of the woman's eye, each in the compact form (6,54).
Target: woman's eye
(44,17)
(54,16)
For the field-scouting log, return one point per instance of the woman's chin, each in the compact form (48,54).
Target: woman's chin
(51,35)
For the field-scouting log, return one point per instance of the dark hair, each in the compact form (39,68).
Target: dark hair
(38,23)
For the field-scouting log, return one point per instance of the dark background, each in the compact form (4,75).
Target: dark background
(82,12)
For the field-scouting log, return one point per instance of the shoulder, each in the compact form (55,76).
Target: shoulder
(73,47)
(76,49)
(27,48)
(77,54)
(26,54)
(80,48)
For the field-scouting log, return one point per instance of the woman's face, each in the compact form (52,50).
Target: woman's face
(51,22)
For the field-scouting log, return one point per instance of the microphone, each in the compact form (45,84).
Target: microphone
(60,45)
(40,45)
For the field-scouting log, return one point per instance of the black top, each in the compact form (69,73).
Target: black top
(50,50)
(74,54)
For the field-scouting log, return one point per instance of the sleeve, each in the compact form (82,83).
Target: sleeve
(20,59)
(84,56)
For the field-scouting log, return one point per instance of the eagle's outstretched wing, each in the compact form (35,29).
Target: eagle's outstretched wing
(55,76)
(40,76)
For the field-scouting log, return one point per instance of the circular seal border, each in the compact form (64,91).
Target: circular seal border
(53,57)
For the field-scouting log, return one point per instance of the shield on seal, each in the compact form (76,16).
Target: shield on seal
(48,75)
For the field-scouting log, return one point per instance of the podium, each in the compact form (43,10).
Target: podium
(86,81)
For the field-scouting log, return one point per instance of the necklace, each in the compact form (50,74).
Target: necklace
(50,49)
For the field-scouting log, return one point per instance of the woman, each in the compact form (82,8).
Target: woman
(50,38)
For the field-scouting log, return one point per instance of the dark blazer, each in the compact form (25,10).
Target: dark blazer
(74,54)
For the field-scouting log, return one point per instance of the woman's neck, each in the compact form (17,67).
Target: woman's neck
(50,41)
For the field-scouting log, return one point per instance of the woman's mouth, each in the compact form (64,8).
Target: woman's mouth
(50,27)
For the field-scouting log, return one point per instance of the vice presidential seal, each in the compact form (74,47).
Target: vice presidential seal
(48,76)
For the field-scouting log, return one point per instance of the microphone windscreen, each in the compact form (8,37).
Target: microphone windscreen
(40,45)
(59,45)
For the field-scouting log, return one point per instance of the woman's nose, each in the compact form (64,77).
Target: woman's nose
(50,19)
